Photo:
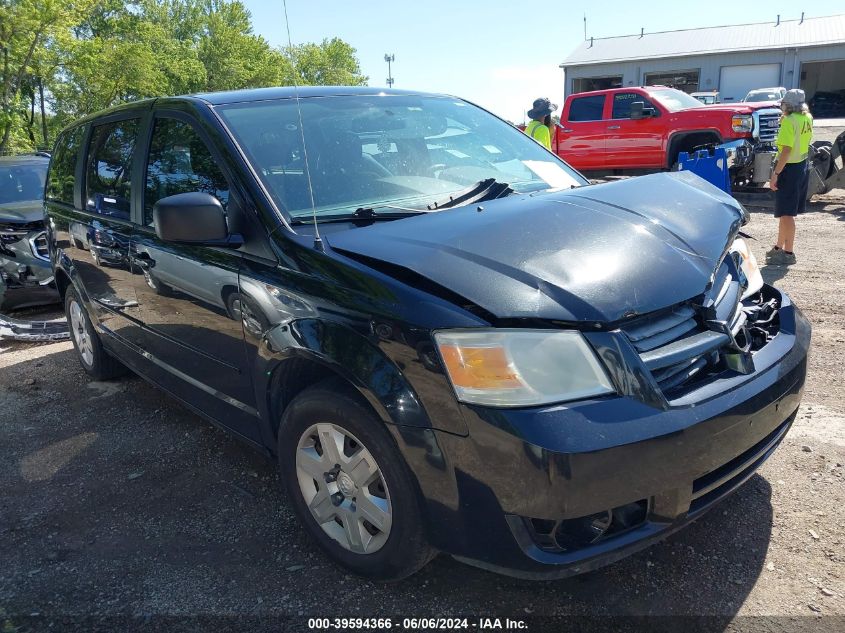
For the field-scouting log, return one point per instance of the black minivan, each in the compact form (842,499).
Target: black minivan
(449,340)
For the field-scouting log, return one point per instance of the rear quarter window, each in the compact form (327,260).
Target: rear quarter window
(586,108)
(62,175)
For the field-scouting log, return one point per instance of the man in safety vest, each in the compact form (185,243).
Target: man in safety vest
(541,122)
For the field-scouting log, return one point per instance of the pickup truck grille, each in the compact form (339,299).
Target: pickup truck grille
(767,125)
(678,348)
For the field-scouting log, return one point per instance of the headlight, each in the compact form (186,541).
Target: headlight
(517,368)
(742,122)
(749,265)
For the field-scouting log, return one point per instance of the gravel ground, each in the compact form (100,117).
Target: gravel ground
(118,501)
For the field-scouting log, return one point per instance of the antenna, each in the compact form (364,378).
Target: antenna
(318,243)
(585,26)
(389,57)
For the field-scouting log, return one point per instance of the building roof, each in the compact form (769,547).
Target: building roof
(710,40)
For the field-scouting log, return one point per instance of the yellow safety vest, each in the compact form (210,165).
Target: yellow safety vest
(539,133)
(796,132)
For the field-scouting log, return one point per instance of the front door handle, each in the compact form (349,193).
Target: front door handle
(613,127)
(565,129)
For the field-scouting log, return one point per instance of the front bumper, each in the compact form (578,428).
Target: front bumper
(571,461)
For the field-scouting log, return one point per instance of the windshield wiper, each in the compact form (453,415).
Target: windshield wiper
(487,189)
(363,215)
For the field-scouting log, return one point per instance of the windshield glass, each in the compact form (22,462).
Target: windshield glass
(22,183)
(385,151)
(761,96)
(674,100)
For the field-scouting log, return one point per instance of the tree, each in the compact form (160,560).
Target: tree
(86,55)
(233,56)
(332,63)
(27,28)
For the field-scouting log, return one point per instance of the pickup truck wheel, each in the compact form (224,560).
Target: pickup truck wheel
(350,486)
(93,358)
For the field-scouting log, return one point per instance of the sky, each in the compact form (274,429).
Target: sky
(499,54)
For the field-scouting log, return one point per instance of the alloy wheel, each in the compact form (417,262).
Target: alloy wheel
(80,333)
(344,488)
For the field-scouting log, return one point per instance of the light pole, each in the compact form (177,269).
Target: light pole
(389,58)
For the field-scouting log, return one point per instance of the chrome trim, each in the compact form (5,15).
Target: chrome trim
(34,248)
(770,133)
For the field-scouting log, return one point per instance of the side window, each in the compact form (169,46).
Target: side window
(586,108)
(180,162)
(622,104)
(62,175)
(108,186)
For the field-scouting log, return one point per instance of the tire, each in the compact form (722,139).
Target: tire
(392,546)
(93,358)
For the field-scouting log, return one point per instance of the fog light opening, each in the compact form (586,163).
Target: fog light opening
(567,535)
(576,533)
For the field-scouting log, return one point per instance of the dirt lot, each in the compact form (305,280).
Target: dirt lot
(117,501)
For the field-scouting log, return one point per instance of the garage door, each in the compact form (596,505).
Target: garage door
(736,81)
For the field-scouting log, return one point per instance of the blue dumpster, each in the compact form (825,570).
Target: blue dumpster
(712,167)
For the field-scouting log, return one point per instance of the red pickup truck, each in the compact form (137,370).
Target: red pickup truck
(646,128)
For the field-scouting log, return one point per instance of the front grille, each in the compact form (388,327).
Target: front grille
(768,124)
(39,246)
(682,346)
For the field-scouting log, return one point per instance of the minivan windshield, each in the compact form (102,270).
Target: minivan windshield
(675,100)
(384,152)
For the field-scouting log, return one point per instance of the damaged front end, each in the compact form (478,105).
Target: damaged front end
(721,330)
(26,280)
(26,277)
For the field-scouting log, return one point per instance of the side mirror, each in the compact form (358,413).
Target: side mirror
(639,111)
(193,218)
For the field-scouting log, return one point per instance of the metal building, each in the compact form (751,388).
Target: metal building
(807,53)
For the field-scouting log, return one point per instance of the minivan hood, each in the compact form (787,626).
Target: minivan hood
(22,212)
(599,253)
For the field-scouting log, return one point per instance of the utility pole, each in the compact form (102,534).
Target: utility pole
(389,58)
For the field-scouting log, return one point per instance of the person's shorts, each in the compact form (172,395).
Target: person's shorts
(791,195)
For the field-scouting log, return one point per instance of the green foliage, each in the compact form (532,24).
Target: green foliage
(91,54)
(332,63)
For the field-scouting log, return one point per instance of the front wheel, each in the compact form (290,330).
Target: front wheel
(350,486)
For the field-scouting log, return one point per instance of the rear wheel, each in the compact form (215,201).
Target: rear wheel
(350,486)
(93,358)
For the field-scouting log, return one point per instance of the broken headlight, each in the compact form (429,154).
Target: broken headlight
(749,267)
